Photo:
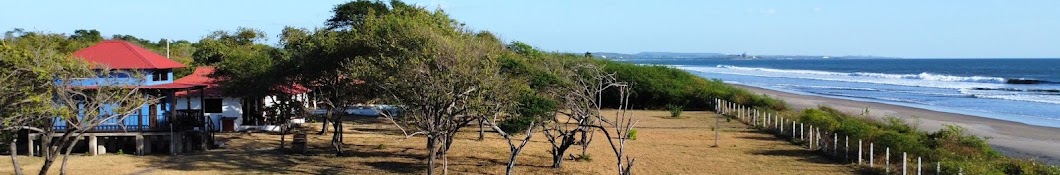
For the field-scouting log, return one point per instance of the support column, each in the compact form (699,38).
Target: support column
(29,145)
(148,144)
(92,145)
(139,144)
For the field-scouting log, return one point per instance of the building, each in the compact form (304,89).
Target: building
(158,127)
(230,112)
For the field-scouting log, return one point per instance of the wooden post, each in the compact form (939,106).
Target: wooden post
(887,158)
(810,137)
(938,167)
(918,172)
(793,136)
(818,140)
(870,154)
(903,163)
(802,131)
(717,126)
(835,144)
(846,151)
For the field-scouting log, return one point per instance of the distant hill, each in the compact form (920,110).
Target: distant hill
(658,55)
(669,55)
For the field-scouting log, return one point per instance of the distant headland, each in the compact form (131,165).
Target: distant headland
(742,56)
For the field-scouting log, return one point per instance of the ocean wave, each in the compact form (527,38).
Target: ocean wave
(1028,95)
(921,76)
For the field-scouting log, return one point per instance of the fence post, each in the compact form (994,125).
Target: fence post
(809,140)
(846,151)
(819,139)
(802,131)
(793,136)
(918,166)
(859,152)
(782,126)
(888,159)
(938,167)
(903,163)
(871,154)
(835,144)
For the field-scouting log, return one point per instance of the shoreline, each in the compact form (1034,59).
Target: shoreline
(1012,139)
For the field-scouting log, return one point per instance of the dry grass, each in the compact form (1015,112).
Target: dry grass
(665,146)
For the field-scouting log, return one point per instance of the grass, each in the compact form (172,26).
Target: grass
(666,146)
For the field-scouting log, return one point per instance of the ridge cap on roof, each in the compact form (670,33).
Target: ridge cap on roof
(128,45)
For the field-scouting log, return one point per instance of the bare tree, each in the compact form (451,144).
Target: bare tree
(85,105)
(514,150)
(622,126)
(581,100)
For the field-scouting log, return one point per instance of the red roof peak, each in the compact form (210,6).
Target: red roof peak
(118,54)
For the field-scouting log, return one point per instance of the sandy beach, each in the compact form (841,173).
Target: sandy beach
(1011,138)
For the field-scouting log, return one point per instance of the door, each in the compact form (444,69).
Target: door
(228,125)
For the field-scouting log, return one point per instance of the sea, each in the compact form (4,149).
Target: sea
(1018,90)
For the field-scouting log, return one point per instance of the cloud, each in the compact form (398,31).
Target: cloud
(817,9)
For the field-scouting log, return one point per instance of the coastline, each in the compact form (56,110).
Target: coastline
(1010,138)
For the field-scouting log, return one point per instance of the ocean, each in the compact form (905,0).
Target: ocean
(1019,90)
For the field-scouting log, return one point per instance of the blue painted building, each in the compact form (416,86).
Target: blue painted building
(157,81)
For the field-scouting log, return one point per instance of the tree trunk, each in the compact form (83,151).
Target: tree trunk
(336,138)
(481,133)
(431,152)
(283,136)
(324,128)
(558,152)
(14,156)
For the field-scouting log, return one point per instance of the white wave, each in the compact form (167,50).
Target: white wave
(925,80)
(921,76)
(1013,95)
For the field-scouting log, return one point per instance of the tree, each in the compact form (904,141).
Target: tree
(622,125)
(512,148)
(352,14)
(26,87)
(82,107)
(581,102)
(442,75)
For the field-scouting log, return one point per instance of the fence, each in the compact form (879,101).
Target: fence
(825,142)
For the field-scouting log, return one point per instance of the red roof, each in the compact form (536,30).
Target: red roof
(118,54)
(201,77)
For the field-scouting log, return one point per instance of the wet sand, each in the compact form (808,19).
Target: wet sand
(1010,138)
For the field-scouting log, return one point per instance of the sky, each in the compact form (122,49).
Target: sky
(896,28)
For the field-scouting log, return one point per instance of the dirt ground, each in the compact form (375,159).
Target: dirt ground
(664,146)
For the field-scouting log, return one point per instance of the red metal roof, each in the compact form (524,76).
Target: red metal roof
(201,77)
(118,54)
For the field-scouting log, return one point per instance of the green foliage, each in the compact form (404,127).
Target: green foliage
(658,86)
(952,146)
(121,152)
(632,134)
(675,110)
(584,157)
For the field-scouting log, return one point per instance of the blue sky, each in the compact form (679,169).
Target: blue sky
(922,29)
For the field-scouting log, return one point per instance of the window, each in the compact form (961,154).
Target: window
(160,75)
(212,105)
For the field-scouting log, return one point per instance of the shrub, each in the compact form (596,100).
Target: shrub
(675,110)
(632,134)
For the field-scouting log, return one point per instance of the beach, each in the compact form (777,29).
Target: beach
(1010,138)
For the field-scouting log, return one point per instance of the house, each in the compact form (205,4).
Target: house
(155,127)
(229,112)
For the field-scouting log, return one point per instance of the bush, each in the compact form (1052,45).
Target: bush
(675,110)
(632,134)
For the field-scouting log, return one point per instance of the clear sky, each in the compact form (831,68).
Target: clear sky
(898,28)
